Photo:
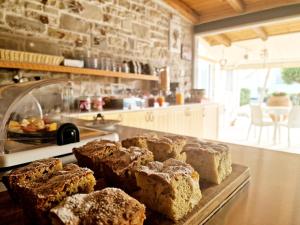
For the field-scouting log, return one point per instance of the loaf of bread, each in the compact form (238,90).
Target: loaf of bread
(110,206)
(212,161)
(91,154)
(42,194)
(20,177)
(170,187)
(167,147)
(112,162)
(138,141)
(119,168)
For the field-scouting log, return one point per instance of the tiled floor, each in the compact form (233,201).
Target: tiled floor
(238,134)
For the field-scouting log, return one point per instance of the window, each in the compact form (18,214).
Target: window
(204,76)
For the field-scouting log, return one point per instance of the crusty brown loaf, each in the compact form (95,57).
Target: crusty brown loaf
(112,162)
(212,161)
(171,188)
(39,196)
(110,206)
(20,177)
(138,141)
(120,166)
(90,154)
(167,147)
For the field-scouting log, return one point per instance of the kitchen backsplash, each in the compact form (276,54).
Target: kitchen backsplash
(120,29)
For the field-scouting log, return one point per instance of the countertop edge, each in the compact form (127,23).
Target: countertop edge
(104,112)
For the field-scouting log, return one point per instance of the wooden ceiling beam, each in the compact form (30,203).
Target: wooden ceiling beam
(184,10)
(261,33)
(223,39)
(237,5)
(261,18)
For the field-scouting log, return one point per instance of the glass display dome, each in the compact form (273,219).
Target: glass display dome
(31,112)
(36,122)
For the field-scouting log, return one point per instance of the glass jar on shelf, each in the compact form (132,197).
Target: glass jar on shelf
(151,101)
(84,103)
(96,103)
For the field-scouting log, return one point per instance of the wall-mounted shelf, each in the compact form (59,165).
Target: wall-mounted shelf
(74,70)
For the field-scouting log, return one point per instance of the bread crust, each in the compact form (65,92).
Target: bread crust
(211,160)
(170,187)
(114,163)
(44,188)
(110,206)
(167,147)
(23,176)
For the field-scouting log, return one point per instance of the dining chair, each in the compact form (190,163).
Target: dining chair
(292,122)
(258,119)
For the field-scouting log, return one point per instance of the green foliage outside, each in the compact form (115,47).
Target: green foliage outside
(291,75)
(244,96)
(295,98)
(279,94)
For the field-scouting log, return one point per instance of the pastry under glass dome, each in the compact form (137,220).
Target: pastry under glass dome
(30,112)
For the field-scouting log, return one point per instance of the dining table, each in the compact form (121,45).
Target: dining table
(277,114)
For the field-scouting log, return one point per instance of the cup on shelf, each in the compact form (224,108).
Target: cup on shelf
(91,62)
(108,64)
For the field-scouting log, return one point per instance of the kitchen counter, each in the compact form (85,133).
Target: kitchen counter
(271,198)
(109,111)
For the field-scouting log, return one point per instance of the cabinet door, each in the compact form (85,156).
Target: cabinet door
(161,120)
(210,122)
(181,122)
(114,116)
(142,119)
(194,116)
(177,120)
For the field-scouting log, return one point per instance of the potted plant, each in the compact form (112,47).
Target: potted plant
(279,99)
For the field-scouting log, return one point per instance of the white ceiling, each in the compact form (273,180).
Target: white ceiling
(281,50)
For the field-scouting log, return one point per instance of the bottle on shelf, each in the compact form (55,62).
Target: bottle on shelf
(125,67)
(179,97)
(161,99)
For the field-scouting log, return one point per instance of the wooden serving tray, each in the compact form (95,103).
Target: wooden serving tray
(213,198)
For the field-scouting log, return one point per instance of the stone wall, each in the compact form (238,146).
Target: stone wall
(120,29)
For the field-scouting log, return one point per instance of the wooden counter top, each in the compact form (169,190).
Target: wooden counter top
(271,198)
(273,195)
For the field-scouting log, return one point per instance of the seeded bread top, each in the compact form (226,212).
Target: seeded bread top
(169,140)
(98,148)
(35,167)
(139,140)
(169,170)
(126,158)
(21,176)
(58,182)
(108,206)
